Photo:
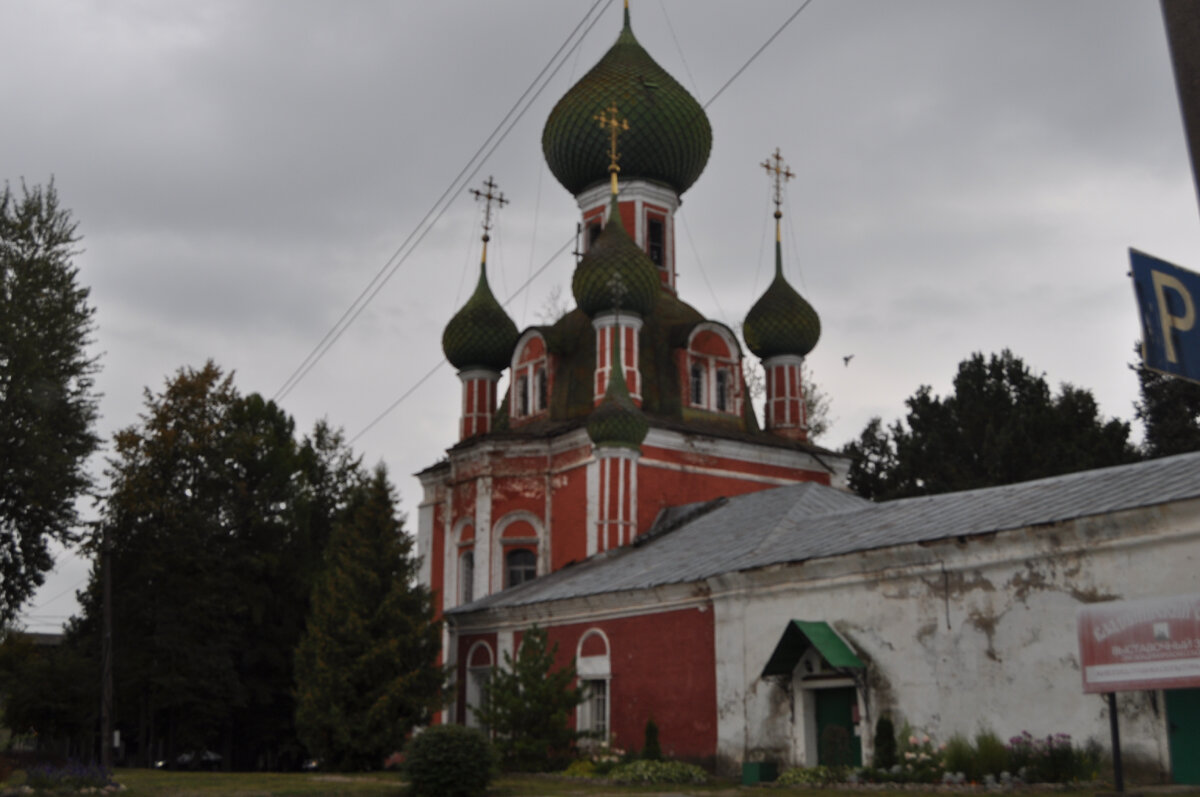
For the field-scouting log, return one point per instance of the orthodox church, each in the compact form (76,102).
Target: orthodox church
(709,570)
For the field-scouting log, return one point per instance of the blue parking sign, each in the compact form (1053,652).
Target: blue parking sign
(1167,296)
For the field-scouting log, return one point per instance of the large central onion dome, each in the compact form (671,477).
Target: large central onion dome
(615,273)
(669,136)
(781,321)
(480,335)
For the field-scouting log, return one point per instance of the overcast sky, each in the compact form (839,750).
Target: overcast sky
(970,176)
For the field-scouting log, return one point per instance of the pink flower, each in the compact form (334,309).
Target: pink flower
(912,740)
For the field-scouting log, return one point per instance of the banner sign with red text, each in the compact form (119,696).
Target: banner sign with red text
(1142,644)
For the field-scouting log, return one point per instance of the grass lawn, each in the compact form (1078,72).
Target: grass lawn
(159,783)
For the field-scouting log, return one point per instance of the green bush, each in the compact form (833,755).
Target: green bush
(991,756)
(580,768)
(885,743)
(960,756)
(450,761)
(808,776)
(651,750)
(652,772)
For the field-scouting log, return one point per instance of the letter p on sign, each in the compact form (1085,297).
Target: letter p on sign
(1166,296)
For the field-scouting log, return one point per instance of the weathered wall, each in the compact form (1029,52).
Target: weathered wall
(962,634)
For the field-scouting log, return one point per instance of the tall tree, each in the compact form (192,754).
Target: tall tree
(529,704)
(1169,410)
(47,400)
(1002,424)
(366,667)
(217,519)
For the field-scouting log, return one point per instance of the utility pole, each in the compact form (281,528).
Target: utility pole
(1182,21)
(106,669)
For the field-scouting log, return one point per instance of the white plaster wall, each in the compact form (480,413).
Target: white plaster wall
(962,634)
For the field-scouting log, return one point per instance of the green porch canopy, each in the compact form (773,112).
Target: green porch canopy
(798,637)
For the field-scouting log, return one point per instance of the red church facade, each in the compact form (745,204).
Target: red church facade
(572,463)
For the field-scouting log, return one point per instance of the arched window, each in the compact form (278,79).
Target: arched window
(592,665)
(523,395)
(543,389)
(519,566)
(697,384)
(466,576)
(722,390)
(479,675)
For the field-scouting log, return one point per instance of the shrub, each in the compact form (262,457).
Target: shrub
(1052,759)
(72,777)
(959,756)
(651,751)
(450,761)
(885,743)
(580,768)
(808,776)
(652,772)
(991,756)
(919,760)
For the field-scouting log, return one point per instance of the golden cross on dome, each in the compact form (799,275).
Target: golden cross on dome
(609,121)
(779,173)
(488,195)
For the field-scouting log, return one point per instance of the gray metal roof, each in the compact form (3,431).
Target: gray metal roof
(810,521)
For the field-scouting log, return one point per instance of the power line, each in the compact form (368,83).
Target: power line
(757,53)
(440,206)
(442,362)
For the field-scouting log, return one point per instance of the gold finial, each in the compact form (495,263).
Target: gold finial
(609,121)
(488,195)
(779,172)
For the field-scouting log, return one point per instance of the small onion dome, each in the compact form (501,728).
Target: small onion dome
(781,321)
(615,273)
(480,335)
(669,136)
(617,422)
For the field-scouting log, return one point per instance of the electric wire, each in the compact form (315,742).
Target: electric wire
(431,216)
(757,53)
(442,362)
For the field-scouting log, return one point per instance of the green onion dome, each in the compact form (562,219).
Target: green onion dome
(480,335)
(614,259)
(781,321)
(616,421)
(669,136)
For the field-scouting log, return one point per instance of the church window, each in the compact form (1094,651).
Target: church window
(520,566)
(593,711)
(523,394)
(722,390)
(697,384)
(466,576)
(543,389)
(654,240)
(479,675)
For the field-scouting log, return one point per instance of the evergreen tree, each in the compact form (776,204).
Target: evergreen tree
(366,667)
(1169,409)
(47,400)
(217,520)
(1001,425)
(529,705)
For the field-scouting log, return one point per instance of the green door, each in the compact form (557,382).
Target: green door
(837,745)
(1183,734)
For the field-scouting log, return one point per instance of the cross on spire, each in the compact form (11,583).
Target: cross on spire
(488,195)
(610,121)
(779,172)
